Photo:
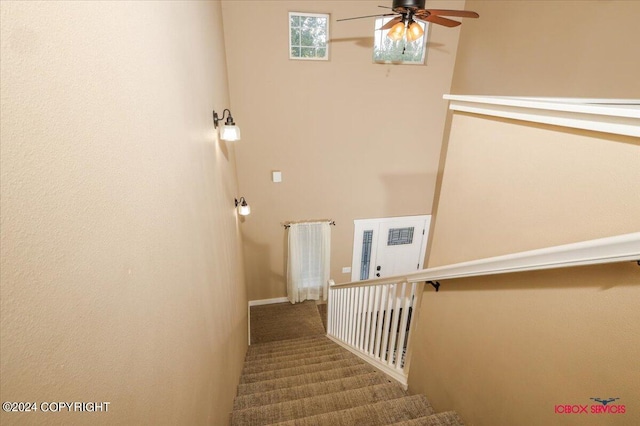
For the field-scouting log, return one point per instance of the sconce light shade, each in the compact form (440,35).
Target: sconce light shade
(243,208)
(229,132)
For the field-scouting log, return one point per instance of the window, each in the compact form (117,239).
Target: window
(308,36)
(387,51)
(400,236)
(365,263)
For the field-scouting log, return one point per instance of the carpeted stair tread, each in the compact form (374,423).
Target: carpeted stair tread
(446,418)
(297,371)
(329,350)
(319,404)
(283,351)
(288,342)
(379,413)
(284,342)
(298,351)
(309,390)
(295,375)
(279,350)
(285,345)
(304,379)
(309,360)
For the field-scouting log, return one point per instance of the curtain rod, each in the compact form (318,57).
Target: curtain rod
(287,225)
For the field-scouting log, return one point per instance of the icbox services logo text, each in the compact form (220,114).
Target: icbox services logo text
(604,406)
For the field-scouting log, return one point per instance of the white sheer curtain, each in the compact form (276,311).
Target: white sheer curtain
(308,261)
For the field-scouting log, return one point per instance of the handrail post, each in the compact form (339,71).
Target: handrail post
(330,284)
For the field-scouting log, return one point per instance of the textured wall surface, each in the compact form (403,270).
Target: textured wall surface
(353,139)
(507,349)
(511,187)
(122,276)
(561,48)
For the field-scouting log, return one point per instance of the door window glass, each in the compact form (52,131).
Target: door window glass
(365,263)
(399,236)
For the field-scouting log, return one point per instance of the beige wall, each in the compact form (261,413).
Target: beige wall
(507,349)
(542,184)
(353,139)
(578,48)
(122,274)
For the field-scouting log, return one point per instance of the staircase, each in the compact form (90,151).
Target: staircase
(313,381)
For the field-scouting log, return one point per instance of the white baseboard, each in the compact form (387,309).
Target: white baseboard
(268,301)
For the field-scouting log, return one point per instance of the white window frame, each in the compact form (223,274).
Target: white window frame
(314,15)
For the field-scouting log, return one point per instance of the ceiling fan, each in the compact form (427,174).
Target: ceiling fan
(407,11)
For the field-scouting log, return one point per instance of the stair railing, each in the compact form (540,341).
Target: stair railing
(375,321)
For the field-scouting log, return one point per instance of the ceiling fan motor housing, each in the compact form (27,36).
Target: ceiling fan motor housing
(408,4)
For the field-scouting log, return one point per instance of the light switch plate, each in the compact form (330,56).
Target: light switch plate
(276,176)
(346,270)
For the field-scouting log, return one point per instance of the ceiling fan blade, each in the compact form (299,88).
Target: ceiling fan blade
(460,13)
(385,7)
(439,20)
(391,23)
(368,16)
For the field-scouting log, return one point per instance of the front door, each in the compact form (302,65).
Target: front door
(389,246)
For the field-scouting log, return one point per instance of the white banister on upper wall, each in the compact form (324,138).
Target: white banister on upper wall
(615,116)
(374,319)
(621,248)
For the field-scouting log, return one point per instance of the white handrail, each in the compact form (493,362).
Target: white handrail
(621,248)
(375,319)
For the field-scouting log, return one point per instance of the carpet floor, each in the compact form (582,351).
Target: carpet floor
(284,321)
(295,375)
(322,309)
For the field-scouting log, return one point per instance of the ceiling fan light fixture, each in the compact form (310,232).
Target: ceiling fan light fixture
(397,31)
(405,10)
(414,31)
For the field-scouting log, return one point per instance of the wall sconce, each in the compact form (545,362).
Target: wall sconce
(243,208)
(229,131)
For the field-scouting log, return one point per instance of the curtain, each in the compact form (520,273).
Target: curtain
(308,261)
